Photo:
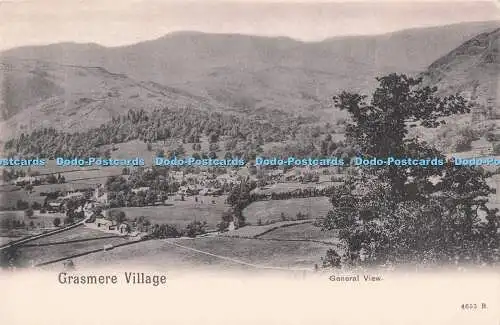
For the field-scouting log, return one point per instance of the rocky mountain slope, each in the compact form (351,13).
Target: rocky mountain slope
(472,69)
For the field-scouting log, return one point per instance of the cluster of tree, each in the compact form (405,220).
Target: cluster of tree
(161,124)
(410,215)
(22,205)
(162,231)
(120,190)
(52,179)
(12,173)
(239,198)
(11,222)
(10,258)
(303,193)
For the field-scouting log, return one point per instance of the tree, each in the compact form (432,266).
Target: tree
(28,188)
(36,206)
(227,217)
(119,216)
(69,265)
(332,259)
(22,205)
(160,153)
(394,214)
(10,258)
(196,228)
(57,222)
(28,213)
(380,128)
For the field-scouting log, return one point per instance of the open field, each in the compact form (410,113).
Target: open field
(160,254)
(272,209)
(46,250)
(153,254)
(253,231)
(181,213)
(42,218)
(8,199)
(304,231)
(5,240)
(261,252)
(77,233)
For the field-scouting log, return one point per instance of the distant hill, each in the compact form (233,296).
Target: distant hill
(472,69)
(235,73)
(36,93)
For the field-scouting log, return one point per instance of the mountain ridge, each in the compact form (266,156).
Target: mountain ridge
(224,72)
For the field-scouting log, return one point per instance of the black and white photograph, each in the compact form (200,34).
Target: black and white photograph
(345,143)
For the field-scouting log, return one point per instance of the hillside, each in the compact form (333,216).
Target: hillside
(36,93)
(250,74)
(472,69)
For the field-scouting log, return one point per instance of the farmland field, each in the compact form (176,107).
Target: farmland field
(8,199)
(253,231)
(45,219)
(272,209)
(77,233)
(159,254)
(181,213)
(261,252)
(5,240)
(305,231)
(60,247)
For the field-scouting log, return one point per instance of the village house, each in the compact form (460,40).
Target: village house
(189,190)
(143,189)
(55,206)
(124,228)
(73,195)
(100,195)
(103,223)
(227,179)
(178,176)
(21,181)
(210,191)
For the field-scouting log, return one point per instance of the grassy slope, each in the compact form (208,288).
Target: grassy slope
(161,255)
(182,213)
(271,210)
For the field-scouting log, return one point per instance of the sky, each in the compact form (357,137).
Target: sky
(121,22)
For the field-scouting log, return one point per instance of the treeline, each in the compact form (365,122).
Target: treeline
(244,199)
(161,231)
(161,124)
